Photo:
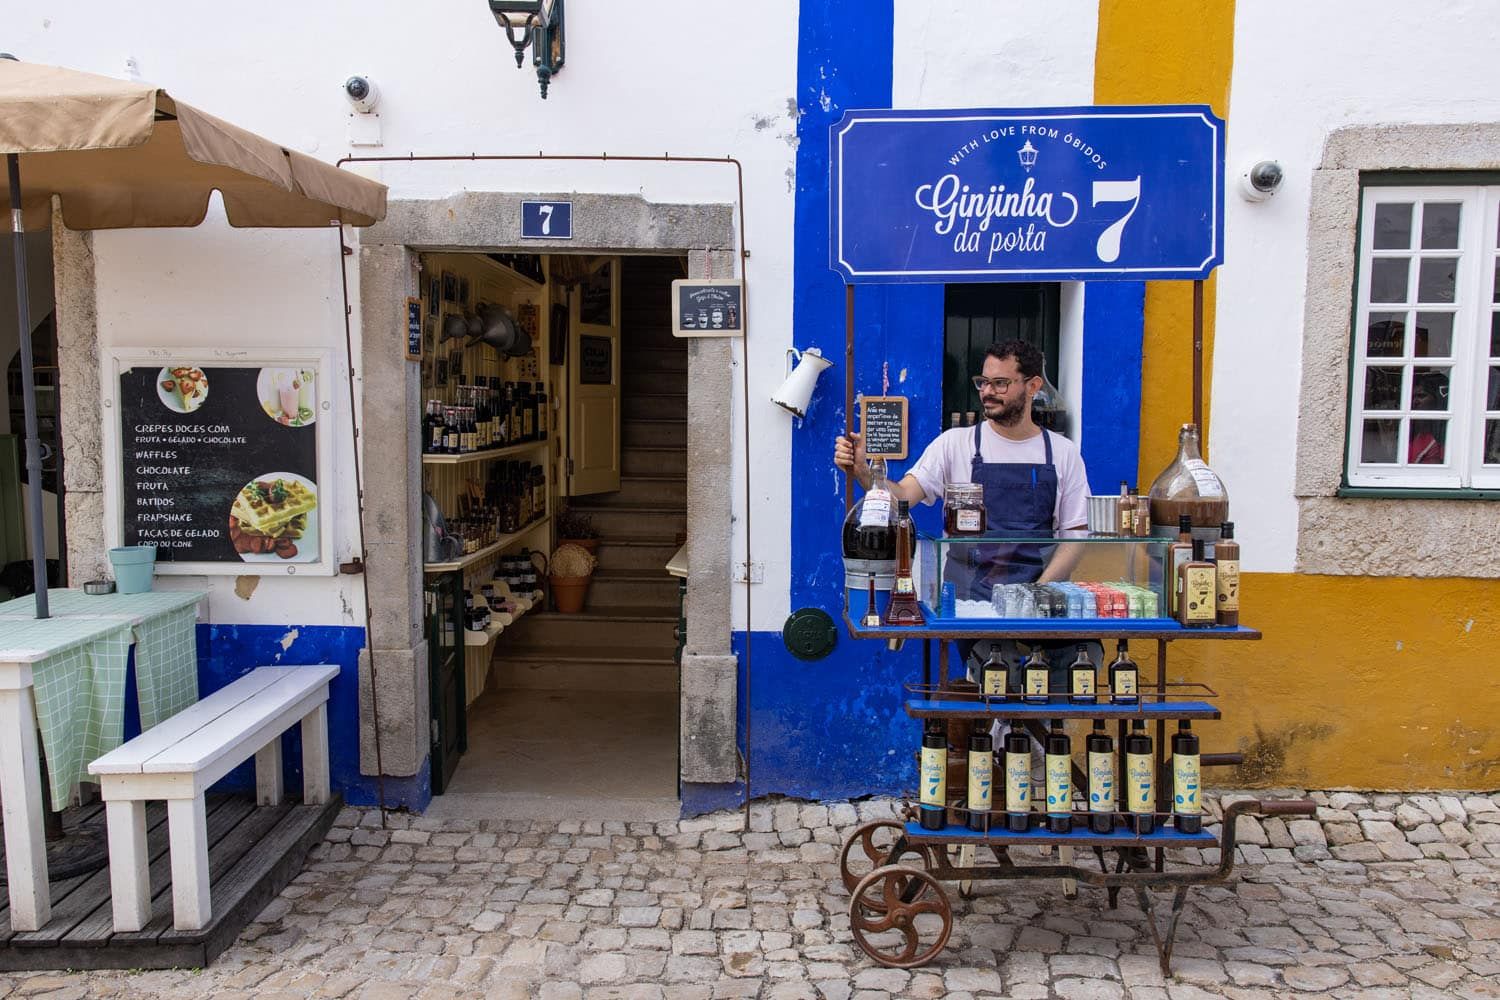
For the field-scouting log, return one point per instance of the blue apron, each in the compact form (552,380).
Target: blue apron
(1019,498)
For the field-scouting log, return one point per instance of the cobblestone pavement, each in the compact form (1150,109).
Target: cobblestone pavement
(1380,896)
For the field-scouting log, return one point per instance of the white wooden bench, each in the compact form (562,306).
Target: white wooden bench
(181,757)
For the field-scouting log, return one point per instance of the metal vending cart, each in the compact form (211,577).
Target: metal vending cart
(1043,194)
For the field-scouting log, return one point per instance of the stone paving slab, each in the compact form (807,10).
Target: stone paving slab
(1363,902)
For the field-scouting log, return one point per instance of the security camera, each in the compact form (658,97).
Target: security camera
(1262,180)
(361,93)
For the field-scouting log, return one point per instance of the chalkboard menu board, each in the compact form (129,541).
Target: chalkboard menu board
(708,307)
(414,329)
(595,360)
(219,461)
(882,423)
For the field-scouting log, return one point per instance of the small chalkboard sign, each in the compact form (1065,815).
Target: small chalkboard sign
(882,423)
(596,360)
(414,329)
(708,307)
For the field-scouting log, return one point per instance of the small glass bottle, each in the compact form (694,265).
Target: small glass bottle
(1187,800)
(1081,678)
(1124,678)
(1017,780)
(1101,755)
(981,777)
(1140,772)
(1059,755)
(933,794)
(1036,671)
(993,676)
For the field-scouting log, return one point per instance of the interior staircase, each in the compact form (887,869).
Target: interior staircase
(624,639)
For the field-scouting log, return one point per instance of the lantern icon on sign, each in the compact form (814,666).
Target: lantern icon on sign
(1027,154)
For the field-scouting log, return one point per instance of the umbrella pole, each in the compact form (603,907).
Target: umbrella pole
(28,392)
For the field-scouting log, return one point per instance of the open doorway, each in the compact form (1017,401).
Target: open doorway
(567,708)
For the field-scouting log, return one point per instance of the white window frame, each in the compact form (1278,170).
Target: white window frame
(1474,303)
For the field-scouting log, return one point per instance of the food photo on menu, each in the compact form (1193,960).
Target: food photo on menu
(182,389)
(288,395)
(274,518)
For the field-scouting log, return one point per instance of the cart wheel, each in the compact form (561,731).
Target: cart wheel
(875,845)
(900,917)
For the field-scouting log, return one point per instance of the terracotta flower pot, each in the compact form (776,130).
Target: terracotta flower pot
(568,593)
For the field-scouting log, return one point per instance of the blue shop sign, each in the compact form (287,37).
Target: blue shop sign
(1029,194)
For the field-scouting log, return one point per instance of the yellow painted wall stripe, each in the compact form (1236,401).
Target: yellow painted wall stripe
(1167,52)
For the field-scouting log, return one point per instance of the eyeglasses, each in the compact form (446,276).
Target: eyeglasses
(998,384)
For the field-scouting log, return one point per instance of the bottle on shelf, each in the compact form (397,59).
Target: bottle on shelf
(1017,780)
(1101,757)
(1124,678)
(1125,521)
(934,775)
(1187,802)
(1141,524)
(450,431)
(1196,598)
(1037,672)
(1059,759)
(1227,575)
(981,776)
(1140,774)
(1188,486)
(869,537)
(1178,553)
(1081,678)
(994,675)
(542,416)
(904,609)
(432,429)
(871,618)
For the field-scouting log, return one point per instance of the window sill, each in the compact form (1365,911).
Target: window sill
(1413,493)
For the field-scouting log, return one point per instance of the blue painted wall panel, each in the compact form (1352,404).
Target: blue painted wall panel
(228,652)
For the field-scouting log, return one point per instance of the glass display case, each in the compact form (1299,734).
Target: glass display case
(988,578)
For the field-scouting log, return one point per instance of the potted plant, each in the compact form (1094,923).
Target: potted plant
(572,567)
(574,527)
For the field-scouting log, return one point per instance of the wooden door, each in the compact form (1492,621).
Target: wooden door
(594,382)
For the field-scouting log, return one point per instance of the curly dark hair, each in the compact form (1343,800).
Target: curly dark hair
(1028,358)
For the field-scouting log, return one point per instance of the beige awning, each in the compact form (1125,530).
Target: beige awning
(125,154)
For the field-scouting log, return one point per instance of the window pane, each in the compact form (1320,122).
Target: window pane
(1436,280)
(1492,442)
(1385,336)
(1440,225)
(1383,388)
(1429,388)
(1434,335)
(1393,226)
(1427,442)
(1492,397)
(1388,279)
(1495,335)
(1379,446)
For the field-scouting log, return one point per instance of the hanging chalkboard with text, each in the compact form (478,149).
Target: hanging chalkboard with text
(222,460)
(882,424)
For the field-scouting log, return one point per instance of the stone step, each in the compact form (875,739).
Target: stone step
(586,668)
(632,588)
(653,406)
(652,491)
(653,434)
(654,381)
(653,461)
(639,554)
(623,520)
(602,627)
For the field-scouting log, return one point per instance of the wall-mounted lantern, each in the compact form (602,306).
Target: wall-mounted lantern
(538,24)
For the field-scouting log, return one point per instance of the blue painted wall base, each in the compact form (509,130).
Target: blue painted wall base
(228,652)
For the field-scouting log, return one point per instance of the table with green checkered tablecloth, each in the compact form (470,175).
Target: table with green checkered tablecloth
(79,686)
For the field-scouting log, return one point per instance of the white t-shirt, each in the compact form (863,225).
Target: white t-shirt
(949,459)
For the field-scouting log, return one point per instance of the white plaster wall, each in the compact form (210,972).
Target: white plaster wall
(688,78)
(1339,63)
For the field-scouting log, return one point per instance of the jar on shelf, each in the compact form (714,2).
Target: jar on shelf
(963,509)
(1189,487)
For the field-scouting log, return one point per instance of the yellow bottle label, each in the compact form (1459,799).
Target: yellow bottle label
(994,682)
(1125,682)
(1059,783)
(1185,784)
(934,776)
(1083,681)
(1018,782)
(1138,774)
(1101,782)
(1198,592)
(981,778)
(1036,680)
(1228,584)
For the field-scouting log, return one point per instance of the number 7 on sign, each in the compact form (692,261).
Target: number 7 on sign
(545,211)
(1108,246)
